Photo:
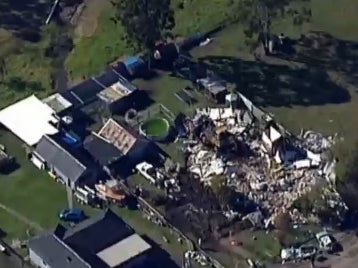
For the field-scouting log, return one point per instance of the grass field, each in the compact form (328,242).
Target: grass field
(28,190)
(33,194)
(327,116)
(28,71)
(13,228)
(91,54)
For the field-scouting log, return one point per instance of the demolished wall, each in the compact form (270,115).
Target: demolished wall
(276,171)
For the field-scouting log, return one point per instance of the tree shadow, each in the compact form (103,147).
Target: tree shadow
(24,18)
(157,257)
(320,49)
(3,234)
(9,168)
(141,100)
(277,85)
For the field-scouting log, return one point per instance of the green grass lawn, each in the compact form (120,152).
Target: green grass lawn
(334,17)
(27,70)
(33,194)
(200,16)
(28,190)
(91,54)
(13,228)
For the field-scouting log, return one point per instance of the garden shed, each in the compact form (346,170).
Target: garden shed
(134,65)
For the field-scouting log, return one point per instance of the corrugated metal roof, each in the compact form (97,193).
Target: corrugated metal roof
(58,157)
(102,151)
(55,253)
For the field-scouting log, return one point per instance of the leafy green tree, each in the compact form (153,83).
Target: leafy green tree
(145,21)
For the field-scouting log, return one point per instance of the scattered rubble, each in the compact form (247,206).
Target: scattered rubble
(298,253)
(259,159)
(197,256)
(159,178)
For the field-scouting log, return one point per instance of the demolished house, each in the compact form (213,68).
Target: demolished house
(258,158)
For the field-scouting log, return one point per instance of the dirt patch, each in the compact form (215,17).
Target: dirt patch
(88,18)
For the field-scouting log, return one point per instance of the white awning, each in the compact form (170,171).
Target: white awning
(29,119)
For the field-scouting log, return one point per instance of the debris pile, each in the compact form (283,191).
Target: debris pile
(160,178)
(258,158)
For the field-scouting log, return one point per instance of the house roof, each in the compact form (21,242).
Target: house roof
(29,119)
(214,84)
(86,91)
(56,253)
(89,242)
(129,247)
(101,150)
(55,155)
(57,102)
(116,92)
(98,233)
(116,134)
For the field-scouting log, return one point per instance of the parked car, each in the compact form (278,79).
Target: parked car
(327,242)
(72,215)
(303,252)
(3,249)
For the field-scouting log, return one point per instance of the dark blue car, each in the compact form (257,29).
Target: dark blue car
(72,215)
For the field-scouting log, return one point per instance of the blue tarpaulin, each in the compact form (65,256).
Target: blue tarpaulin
(133,64)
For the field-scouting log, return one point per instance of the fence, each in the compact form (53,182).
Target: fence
(190,244)
(155,110)
(12,257)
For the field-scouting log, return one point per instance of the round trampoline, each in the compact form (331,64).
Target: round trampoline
(156,129)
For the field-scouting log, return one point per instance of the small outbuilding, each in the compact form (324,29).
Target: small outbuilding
(135,65)
(118,98)
(215,87)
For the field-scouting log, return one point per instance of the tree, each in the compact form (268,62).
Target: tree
(257,15)
(145,21)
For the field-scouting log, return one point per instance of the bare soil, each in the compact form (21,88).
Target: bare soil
(88,20)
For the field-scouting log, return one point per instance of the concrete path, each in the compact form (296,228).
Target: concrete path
(69,197)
